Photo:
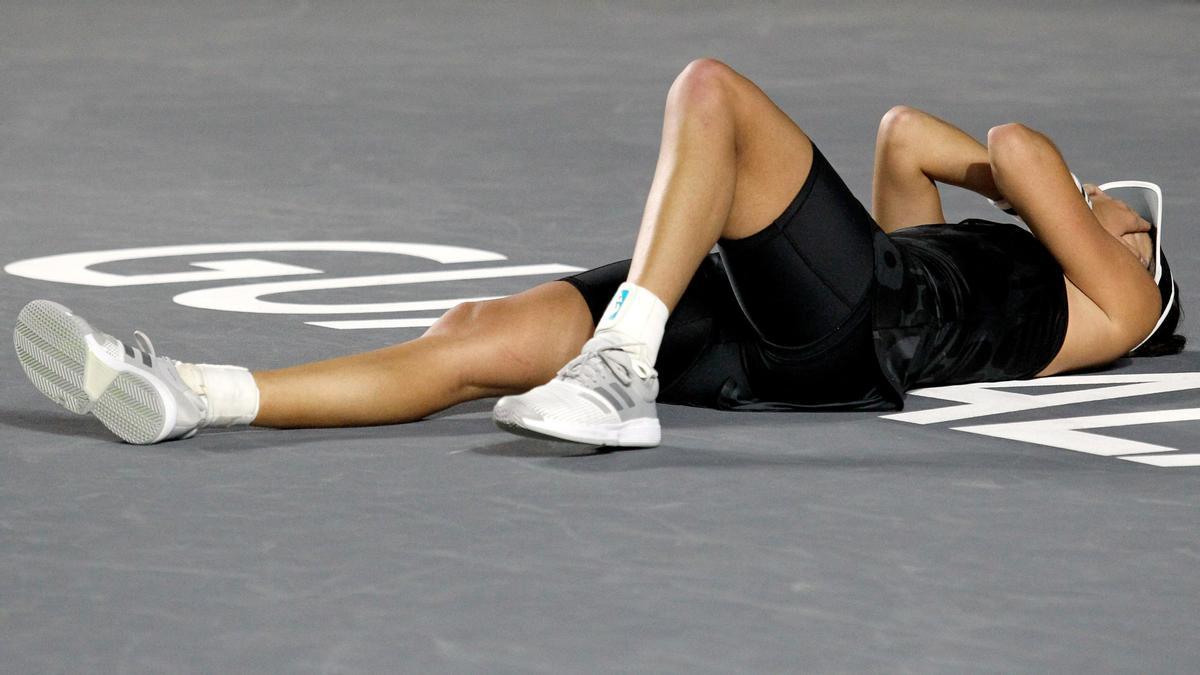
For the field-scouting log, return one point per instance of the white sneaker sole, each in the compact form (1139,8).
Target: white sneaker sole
(62,358)
(643,432)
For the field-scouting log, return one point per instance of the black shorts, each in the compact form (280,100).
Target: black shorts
(778,320)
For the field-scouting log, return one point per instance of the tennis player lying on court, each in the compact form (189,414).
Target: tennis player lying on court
(811,302)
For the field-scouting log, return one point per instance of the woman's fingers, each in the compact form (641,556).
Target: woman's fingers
(1139,245)
(1132,222)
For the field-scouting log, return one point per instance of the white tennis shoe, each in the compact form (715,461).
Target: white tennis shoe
(134,392)
(605,396)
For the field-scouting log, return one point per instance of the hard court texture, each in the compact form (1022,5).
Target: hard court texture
(746,542)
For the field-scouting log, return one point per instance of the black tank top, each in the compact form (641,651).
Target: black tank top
(974,301)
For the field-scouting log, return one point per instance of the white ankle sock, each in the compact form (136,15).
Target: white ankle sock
(639,315)
(231,391)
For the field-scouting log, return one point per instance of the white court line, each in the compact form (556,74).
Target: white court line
(358,324)
(1167,461)
(1065,432)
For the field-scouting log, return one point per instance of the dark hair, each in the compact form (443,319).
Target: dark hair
(1165,341)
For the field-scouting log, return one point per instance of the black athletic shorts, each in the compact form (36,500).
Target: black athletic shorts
(779,320)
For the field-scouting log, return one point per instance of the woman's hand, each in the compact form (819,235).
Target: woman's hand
(1122,222)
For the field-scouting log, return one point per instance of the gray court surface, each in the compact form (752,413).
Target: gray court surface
(747,542)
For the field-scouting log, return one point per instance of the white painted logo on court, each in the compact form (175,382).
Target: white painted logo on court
(75,268)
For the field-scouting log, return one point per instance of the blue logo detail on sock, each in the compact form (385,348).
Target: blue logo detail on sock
(620,300)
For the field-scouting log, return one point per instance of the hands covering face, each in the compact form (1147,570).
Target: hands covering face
(1123,223)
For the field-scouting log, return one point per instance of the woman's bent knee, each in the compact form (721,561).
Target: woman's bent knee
(518,341)
(462,318)
(896,125)
(704,82)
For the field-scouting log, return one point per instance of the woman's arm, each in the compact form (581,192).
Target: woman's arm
(1031,174)
(913,151)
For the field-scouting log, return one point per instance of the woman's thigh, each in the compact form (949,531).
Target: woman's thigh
(810,271)
(772,153)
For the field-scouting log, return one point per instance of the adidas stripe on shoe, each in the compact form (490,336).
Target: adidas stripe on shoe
(605,396)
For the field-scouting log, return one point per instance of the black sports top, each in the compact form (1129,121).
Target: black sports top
(974,301)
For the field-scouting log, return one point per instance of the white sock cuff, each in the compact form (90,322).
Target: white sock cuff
(639,314)
(231,392)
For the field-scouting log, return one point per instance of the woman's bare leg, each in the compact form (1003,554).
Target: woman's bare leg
(475,350)
(730,163)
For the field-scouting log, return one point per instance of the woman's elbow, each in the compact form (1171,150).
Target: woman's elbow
(1134,318)
(1011,133)
(1016,145)
(1143,322)
(1006,140)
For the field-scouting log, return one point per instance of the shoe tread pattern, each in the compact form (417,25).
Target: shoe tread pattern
(50,347)
(51,350)
(131,408)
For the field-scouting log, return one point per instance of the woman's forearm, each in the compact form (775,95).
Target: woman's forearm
(913,152)
(1033,176)
(947,154)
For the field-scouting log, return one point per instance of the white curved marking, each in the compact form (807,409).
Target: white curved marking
(359,324)
(246,298)
(72,268)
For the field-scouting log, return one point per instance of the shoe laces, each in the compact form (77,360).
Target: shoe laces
(144,342)
(591,364)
